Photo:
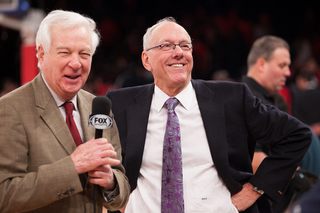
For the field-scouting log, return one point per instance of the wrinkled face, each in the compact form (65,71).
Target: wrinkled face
(67,64)
(170,69)
(276,70)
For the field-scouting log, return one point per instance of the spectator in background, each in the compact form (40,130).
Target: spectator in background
(268,69)
(217,128)
(221,75)
(310,203)
(7,85)
(305,95)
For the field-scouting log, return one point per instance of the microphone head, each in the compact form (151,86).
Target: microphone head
(100,117)
(101,105)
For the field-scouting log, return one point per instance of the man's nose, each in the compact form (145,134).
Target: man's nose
(74,63)
(177,50)
(287,72)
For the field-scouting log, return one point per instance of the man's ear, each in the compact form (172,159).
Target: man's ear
(40,53)
(145,61)
(261,62)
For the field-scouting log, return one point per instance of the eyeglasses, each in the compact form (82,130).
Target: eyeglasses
(172,46)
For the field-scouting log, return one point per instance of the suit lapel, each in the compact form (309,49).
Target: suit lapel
(137,120)
(212,112)
(85,108)
(51,114)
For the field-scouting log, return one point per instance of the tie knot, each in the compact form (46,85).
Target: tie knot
(172,103)
(68,107)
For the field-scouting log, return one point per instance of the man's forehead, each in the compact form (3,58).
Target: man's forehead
(280,53)
(169,32)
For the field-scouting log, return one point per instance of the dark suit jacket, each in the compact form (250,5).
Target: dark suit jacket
(234,120)
(36,170)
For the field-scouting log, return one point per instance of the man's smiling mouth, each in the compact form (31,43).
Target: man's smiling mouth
(177,65)
(72,77)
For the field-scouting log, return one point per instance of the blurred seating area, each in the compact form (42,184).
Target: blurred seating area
(222,33)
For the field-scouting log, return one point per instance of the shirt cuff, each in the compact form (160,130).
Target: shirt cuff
(109,196)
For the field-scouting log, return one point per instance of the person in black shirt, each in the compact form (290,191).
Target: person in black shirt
(268,69)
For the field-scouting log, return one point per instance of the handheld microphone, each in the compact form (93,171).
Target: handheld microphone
(100,118)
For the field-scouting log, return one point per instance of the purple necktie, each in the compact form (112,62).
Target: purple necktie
(172,180)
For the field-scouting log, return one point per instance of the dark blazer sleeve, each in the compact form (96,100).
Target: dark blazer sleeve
(235,121)
(287,138)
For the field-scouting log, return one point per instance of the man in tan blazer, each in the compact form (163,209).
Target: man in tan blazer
(41,168)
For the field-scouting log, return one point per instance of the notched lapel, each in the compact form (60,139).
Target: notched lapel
(85,109)
(212,112)
(51,114)
(213,119)
(137,120)
(58,127)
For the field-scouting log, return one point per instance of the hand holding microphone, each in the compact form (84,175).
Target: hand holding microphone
(96,155)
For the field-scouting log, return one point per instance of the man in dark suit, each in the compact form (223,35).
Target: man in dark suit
(268,69)
(41,168)
(218,126)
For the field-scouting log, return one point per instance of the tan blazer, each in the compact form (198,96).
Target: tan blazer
(36,171)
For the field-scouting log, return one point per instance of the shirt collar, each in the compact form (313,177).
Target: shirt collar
(59,101)
(256,86)
(184,97)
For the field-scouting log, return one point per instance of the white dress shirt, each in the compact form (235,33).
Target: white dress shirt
(203,189)
(76,114)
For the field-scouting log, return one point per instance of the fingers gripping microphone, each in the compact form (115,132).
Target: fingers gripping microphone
(100,118)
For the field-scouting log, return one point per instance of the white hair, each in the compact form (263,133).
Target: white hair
(66,20)
(148,35)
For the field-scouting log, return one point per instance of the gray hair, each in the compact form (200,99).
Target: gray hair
(66,20)
(264,48)
(148,35)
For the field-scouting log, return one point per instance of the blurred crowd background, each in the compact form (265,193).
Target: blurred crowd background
(222,32)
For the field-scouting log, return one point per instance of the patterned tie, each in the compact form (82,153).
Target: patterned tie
(172,180)
(71,124)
